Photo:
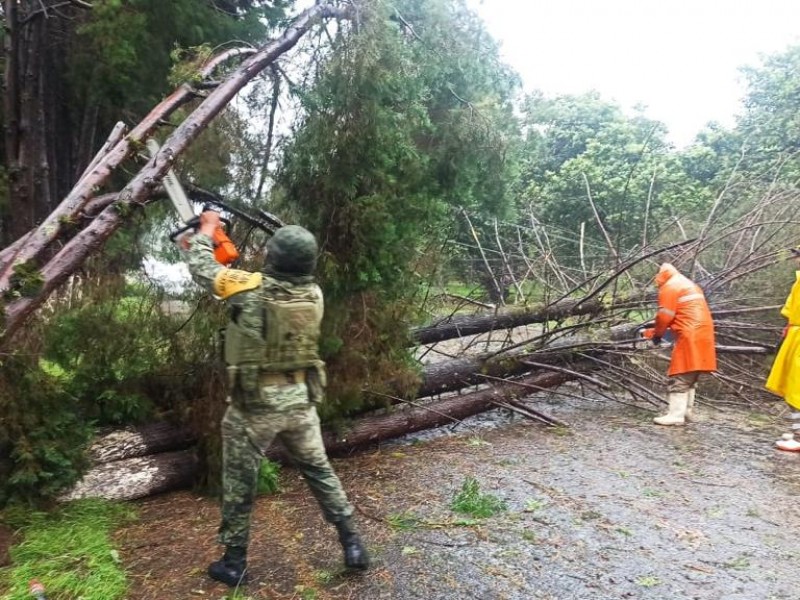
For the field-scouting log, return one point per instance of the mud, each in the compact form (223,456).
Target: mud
(613,507)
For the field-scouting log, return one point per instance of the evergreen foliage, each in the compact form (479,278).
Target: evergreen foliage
(406,122)
(115,359)
(42,436)
(136,40)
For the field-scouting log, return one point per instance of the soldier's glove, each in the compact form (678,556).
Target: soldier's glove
(656,340)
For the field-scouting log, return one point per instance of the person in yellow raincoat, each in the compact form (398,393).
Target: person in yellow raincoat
(682,308)
(784,378)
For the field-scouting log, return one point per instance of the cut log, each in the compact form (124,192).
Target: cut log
(134,478)
(132,442)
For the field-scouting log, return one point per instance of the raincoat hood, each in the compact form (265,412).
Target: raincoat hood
(664,273)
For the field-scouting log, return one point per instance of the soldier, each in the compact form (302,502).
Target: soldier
(275,378)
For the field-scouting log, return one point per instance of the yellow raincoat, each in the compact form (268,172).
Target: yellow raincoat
(784,378)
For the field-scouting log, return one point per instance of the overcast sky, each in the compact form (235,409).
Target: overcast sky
(679,58)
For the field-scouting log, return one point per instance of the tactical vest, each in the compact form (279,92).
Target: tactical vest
(277,328)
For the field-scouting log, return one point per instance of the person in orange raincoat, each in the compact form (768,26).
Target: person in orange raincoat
(784,378)
(682,308)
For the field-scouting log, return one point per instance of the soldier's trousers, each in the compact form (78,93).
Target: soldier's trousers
(246,434)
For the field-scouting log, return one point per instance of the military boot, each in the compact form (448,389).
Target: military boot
(355,554)
(231,569)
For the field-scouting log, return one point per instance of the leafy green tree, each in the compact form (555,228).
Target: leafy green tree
(586,162)
(771,122)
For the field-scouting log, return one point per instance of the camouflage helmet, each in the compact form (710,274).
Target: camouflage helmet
(292,250)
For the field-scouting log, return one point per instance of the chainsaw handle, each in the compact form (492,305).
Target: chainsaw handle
(191,225)
(225,251)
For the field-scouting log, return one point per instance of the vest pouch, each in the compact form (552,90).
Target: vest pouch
(246,392)
(317,381)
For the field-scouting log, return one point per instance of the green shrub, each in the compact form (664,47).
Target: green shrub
(42,436)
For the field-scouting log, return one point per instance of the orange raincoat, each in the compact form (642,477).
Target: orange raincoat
(784,378)
(682,308)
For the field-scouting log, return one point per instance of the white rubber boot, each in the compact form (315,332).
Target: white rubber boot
(689,417)
(787,443)
(677,410)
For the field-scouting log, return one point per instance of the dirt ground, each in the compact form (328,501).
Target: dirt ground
(614,507)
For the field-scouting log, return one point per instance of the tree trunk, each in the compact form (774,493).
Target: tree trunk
(130,476)
(134,478)
(461,326)
(133,442)
(38,151)
(371,430)
(462,372)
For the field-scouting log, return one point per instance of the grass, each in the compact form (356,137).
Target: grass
(68,550)
(648,581)
(305,592)
(529,535)
(470,501)
(739,563)
(403,521)
(533,505)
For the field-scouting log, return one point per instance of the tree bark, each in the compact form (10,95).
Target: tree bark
(462,372)
(371,430)
(38,150)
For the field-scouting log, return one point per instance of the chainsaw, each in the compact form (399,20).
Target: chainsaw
(225,251)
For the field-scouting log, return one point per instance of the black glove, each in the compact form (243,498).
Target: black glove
(656,340)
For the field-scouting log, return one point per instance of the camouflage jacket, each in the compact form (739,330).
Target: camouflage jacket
(274,323)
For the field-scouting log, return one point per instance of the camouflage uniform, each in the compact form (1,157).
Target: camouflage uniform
(273,386)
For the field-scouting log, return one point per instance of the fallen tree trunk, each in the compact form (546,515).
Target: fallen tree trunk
(459,373)
(461,326)
(133,442)
(466,325)
(135,462)
(371,430)
(139,477)
(136,477)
